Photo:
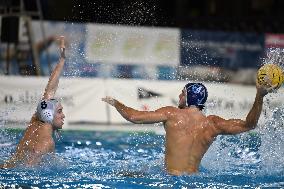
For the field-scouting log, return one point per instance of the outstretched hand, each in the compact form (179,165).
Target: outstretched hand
(109,100)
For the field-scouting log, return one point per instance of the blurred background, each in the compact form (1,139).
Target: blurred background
(206,40)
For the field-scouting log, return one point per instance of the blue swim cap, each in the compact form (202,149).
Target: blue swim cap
(196,94)
(46,110)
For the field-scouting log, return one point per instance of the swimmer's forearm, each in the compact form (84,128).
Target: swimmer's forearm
(254,114)
(54,77)
(52,84)
(125,111)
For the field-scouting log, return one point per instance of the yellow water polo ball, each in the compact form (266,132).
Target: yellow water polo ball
(270,75)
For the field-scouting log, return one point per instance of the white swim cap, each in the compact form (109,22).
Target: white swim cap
(46,109)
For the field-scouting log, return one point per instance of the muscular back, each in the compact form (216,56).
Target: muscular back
(188,132)
(188,136)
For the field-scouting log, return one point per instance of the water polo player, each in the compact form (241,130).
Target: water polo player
(196,95)
(37,140)
(189,133)
(48,111)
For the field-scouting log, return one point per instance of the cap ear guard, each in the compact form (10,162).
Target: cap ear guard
(46,109)
(47,116)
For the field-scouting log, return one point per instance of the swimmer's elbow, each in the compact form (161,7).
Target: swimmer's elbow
(138,118)
(251,123)
(250,126)
(141,117)
(134,119)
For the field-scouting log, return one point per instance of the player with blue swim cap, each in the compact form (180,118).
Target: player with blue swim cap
(189,132)
(196,95)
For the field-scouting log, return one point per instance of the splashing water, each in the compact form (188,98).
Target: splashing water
(259,153)
(129,160)
(75,53)
(274,56)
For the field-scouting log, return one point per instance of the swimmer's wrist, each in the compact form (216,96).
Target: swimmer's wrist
(114,102)
(260,95)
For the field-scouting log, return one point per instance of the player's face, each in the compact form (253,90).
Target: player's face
(182,97)
(59,116)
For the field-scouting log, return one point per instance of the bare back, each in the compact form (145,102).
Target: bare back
(188,136)
(189,133)
(37,140)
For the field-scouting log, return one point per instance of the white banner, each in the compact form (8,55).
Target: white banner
(81,98)
(225,100)
(132,45)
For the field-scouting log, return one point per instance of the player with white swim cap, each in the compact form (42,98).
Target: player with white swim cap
(189,133)
(48,118)
(46,109)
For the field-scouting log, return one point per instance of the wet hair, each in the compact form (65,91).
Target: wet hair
(196,95)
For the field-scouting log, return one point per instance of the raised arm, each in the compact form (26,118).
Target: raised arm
(54,77)
(136,116)
(235,126)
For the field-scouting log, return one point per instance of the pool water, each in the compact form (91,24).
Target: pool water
(93,159)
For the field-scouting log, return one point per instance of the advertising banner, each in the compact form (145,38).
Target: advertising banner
(274,40)
(81,98)
(223,49)
(132,45)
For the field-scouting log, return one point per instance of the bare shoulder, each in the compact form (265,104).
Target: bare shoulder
(215,119)
(167,109)
(228,126)
(38,129)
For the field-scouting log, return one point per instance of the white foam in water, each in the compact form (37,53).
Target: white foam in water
(272,144)
(272,133)
(6,141)
(226,155)
(274,56)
